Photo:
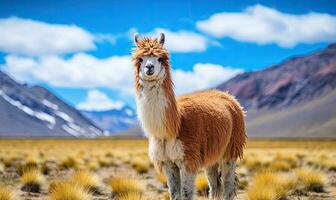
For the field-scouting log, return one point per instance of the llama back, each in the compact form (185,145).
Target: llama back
(208,127)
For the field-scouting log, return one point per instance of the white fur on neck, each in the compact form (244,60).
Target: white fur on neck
(151,107)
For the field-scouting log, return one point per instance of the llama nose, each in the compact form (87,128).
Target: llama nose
(150,70)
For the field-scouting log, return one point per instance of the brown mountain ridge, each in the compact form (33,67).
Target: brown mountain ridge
(296,98)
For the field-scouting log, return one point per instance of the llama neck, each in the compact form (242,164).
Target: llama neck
(157,109)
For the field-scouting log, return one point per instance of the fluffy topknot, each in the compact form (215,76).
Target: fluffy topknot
(150,47)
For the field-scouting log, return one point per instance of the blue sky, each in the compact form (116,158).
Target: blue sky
(80,49)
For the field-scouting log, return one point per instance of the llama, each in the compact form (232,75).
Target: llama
(201,130)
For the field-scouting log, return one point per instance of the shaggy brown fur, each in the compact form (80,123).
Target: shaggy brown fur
(210,124)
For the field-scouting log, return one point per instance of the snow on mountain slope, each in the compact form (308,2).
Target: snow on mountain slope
(33,111)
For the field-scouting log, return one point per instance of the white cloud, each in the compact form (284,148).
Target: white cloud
(35,54)
(181,41)
(264,25)
(36,38)
(203,75)
(105,38)
(116,72)
(99,101)
(80,71)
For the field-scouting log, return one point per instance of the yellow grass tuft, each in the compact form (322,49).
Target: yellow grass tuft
(93,165)
(28,166)
(288,158)
(109,154)
(140,165)
(68,191)
(105,162)
(2,167)
(243,183)
(68,163)
(88,180)
(32,181)
(255,163)
(280,165)
(201,185)
(131,196)
(312,180)
(266,193)
(324,163)
(331,165)
(6,194)
(45,169)
(123,186)
(8,162)
(271,185)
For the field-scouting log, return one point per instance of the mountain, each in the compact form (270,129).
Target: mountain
(33,111)
(296,98)
(114,120)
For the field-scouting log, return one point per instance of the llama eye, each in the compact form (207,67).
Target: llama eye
(160,59)
(140,60)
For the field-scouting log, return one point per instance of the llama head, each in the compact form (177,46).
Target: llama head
(151,58)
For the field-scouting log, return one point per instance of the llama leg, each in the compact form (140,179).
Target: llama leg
(173,180)
(213,176)
(230,179)
(187,184)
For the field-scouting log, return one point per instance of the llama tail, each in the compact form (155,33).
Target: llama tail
(238,137)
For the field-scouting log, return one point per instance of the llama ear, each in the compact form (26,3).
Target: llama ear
(162,38)
(136,38)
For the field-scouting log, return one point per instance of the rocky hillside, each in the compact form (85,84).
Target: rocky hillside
(294,98)
(33,111)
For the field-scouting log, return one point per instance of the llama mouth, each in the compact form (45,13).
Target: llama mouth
(151,78)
